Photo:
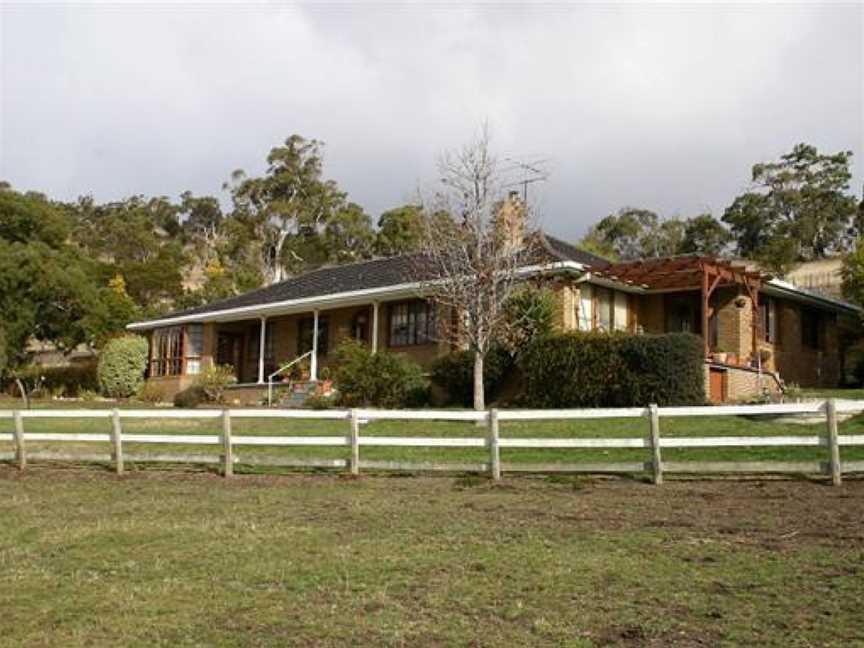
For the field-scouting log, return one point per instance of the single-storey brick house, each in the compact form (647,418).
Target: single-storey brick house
(758,331)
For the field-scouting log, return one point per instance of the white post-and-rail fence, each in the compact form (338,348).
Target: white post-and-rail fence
(655,465)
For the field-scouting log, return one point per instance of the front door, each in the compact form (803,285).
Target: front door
(229,350)
(717,385)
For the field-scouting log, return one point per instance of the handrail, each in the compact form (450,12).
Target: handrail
(284,367)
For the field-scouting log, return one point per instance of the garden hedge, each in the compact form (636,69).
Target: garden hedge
(454,374)
(613,370)
(121,366)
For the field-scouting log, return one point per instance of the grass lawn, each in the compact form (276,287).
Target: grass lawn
(174,559)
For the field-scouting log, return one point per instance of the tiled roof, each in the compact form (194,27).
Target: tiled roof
(364,275)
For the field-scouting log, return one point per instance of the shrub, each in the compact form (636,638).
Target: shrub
(150,393)
(214,379)
(69,380)
(531,313)
(379,379)
(190,397)
(454,373)
(613,370)
(121,366)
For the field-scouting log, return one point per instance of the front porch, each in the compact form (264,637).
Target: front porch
(259,349)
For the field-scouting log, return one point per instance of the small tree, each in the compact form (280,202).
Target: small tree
(472,267)
(121,366)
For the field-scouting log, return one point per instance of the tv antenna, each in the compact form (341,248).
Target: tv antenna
(531,172)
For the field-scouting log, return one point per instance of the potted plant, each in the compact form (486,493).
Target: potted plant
(720,355)
(326,384)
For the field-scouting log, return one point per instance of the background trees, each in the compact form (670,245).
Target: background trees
(797,209)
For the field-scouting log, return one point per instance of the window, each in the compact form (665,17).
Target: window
(194,348)
(412,323)
(177,350)
(166,357)
(768,320)
(305,331)
(605,308)
(810,328)
(360,326)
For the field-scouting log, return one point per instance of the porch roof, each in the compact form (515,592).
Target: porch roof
(689,272)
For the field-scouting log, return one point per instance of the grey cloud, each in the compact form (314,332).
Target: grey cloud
(656,106)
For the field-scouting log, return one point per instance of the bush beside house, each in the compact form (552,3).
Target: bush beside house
(613,370)
(379,379)
(122,364)
(454,374)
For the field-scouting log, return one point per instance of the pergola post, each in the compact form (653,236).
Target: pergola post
(706,295)
(756,323)
(313,365)
(374,327)
(261,350)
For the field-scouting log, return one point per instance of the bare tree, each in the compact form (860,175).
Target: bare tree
(471,265)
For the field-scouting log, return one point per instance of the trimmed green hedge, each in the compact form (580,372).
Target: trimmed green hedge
(379,379)
(613,370)
(121,366)
(454,374)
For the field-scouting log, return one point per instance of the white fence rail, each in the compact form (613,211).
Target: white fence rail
(652,441)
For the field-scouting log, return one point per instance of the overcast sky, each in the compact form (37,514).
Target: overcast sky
(663,107)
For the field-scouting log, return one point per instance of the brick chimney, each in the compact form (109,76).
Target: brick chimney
(510,221)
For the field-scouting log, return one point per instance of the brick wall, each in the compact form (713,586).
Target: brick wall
(796,362)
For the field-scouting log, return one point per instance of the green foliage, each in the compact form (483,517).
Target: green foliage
(4,353)
(613,370)
(454,373)
(71,380)
(797,210)
(137,239)
(704,234)
(190,397)
(214,379)
(286,210)
(531,312)
(853,274)
(379,379)
(400,231)
(26,218)
(150,393)
(634,233)
(348,236)
(121,366)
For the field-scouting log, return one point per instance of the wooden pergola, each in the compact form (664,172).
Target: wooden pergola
(702,273)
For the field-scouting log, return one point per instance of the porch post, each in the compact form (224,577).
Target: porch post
(313,366)
(374,327)
(755,324)
(705,305)
(261,350)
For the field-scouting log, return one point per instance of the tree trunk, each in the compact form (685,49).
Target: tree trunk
(24,395)
(479,395)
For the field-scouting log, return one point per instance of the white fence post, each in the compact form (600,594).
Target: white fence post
(354,461)
(227,451)
(494,447)
(20,451)
(656,459)
(834,466)
(117,442)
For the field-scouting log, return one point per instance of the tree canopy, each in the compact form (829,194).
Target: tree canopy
(797,209)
